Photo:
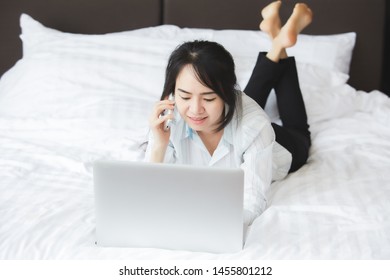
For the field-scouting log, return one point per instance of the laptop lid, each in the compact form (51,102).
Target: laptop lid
(168,206)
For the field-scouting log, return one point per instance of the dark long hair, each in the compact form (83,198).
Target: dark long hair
(214,67)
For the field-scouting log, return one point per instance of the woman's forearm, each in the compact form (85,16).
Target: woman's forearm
(157,154)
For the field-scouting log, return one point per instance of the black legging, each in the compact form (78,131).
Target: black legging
(294,135)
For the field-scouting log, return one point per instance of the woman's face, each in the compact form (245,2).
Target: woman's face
(200,107)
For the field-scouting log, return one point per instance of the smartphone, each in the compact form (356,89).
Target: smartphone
(168,123)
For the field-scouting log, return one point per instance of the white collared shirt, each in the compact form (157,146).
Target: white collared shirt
(248,142)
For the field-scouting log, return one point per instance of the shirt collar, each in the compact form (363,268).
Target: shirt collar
(189,132)
(226,137)
(228,133)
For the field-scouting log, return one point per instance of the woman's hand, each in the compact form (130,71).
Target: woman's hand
(156,123)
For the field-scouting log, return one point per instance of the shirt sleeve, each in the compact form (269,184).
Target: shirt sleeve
(257,166)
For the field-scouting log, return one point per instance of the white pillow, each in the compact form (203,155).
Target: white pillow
(312,79)
(333,52)
(63,74)
(321,59)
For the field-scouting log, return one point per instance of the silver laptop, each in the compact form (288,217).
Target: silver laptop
(168,206)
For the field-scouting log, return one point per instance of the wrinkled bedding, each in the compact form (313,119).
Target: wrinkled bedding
(61,110)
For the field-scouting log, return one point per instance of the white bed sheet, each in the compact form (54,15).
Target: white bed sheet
(61,108)
(335,207)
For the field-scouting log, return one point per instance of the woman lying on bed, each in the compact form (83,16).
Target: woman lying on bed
(215,124)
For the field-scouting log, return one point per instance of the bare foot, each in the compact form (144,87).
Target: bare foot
(271,23)
(299,19)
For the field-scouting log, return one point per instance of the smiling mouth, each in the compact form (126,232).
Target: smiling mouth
(197,120)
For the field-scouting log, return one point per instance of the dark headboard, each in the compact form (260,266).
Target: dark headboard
(365,17)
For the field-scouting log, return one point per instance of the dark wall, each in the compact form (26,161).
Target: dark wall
(386,65)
